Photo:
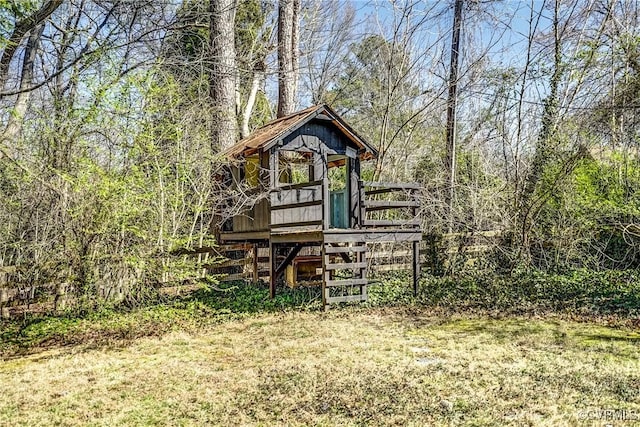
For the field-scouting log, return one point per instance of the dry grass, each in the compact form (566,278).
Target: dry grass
(346,367)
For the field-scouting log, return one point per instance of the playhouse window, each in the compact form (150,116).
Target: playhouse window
(252,171)
(294,167)
(337,172)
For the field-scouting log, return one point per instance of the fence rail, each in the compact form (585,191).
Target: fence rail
(439,252)
(243,261)
(19,295)
(389,205)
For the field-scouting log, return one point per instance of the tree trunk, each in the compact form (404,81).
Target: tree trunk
(16,118)
(451,110)
(223,74)
(258,75)
(529,206)
(295,53)
(288,29)
(21,29)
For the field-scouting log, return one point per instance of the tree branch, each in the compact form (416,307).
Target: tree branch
(21,29)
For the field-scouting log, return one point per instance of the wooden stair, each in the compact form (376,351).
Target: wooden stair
(344,272)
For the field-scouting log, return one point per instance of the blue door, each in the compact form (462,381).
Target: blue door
(339,209)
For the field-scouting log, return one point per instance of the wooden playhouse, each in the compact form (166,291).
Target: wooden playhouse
(301,188)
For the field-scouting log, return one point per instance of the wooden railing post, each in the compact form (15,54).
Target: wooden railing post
(326,198)
(59,301)
(256,275)
(272,269)
(416,266)
(4,298)
(363,210)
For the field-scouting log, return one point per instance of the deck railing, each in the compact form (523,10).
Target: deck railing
(382,205)
(297,205)
(392,205)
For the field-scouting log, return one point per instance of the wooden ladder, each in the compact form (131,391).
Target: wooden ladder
(344,269)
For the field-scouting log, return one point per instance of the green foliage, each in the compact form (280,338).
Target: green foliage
(581,292)
(250,22)
(241,297)
(114,217)
(192,40)
(590,220)
(391,289)
(608,187)
(105,322)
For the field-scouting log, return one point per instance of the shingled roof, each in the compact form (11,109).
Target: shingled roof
(269,134)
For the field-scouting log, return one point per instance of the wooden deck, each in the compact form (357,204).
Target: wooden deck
(300,217)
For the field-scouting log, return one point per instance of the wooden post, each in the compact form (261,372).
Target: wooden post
(273,183)
(326,276)
(416,266)
(326,199)
(272,270)
(354,191)
(59,301)
(273,168)
(451,109)
(416,249)
(4,298)
(364,273)
(256,276)
(363,212)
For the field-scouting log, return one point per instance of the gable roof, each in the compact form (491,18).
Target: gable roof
(274,131)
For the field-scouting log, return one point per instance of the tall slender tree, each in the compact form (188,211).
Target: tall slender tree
(288,56)
(14,123)
(23,27)
(223,73)
(451,108)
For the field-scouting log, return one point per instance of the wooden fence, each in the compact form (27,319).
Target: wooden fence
(245,261)
(438,253)
(17,297)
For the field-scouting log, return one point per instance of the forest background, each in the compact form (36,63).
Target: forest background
(114,114)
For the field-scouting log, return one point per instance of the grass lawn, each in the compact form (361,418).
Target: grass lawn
(351,366)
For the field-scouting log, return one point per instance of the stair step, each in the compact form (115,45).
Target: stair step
(356,251)
(346,282)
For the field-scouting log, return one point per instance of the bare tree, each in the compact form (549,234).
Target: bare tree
(255,28)
(327,30)
(14,124)
(223,73)
(288,56)
(22,28)
(451,107)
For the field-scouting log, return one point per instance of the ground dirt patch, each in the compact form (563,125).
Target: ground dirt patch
(345,367)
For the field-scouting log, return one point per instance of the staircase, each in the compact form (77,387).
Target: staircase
(344,270)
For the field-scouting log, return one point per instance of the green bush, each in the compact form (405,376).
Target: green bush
(124,321)
(578,291)
(598,292)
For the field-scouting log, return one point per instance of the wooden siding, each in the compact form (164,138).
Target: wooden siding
(254,219)
(318,137)
(296,204)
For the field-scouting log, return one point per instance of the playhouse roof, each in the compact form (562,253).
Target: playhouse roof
(269,134)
